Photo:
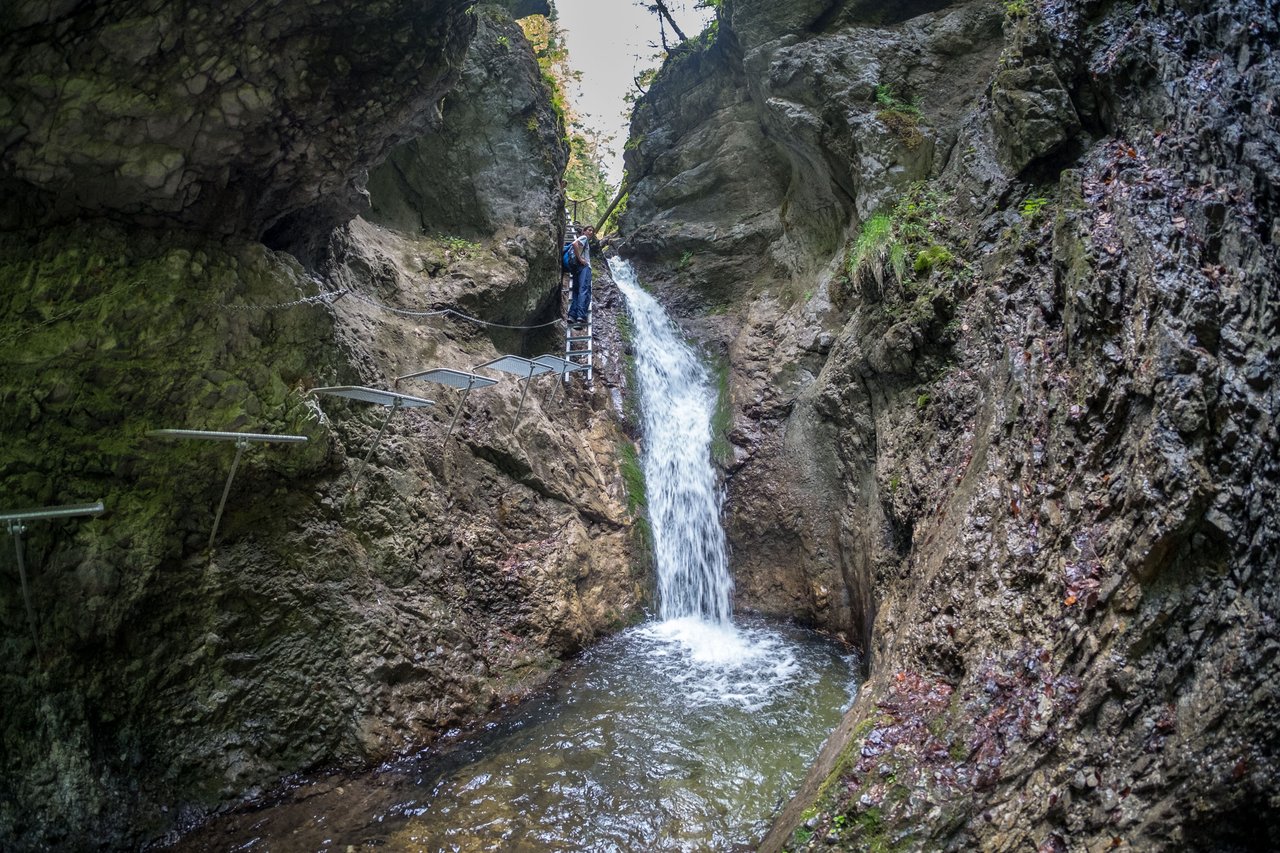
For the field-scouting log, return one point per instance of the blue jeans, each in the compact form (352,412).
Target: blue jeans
(581,301)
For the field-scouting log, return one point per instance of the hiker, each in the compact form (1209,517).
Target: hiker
(580,298)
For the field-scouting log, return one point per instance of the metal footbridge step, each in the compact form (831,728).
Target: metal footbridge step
(392,400)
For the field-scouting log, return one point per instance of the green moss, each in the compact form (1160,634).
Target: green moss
(904,126)
(868,828)
(629,463)
(722,417)
(630,403)
(848,756)
(108,335)
(931,258)
(633,477)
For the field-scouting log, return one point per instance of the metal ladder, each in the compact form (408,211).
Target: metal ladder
(584,355)
(572,336)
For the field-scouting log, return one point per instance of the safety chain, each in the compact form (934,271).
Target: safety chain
(332,295)
(325,298)
(73,310)
(405,312)
(306,300)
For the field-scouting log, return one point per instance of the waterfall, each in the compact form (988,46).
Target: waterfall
(683,494)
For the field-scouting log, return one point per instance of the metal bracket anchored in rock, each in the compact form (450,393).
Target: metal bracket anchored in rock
(15,523)
(562,366)
(392,399)
(242,440)
(521,367)
(454,379)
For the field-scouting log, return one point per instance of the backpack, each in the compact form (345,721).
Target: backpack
(569,259)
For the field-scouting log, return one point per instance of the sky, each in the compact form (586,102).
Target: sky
(609,42)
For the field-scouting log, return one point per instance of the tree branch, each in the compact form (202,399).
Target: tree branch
(659,7)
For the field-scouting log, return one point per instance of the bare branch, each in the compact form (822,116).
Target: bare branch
(661,7)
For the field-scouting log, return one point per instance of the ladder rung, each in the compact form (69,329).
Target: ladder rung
(583,357)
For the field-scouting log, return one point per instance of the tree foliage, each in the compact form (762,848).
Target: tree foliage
(585,179)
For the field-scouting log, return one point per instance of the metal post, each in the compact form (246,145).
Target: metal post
(15,523)
(241,444)
(16,529)
(458,411)
(528,379)
(242,441)
(395,405)
(564,381)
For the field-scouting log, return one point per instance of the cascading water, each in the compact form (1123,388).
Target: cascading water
(683,734)
(683,495)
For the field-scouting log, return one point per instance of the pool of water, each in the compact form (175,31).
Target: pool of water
(679,735)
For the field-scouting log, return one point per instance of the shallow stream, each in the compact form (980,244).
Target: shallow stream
(678,735)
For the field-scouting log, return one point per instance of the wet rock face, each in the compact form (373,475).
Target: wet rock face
(763,144)
(496,158)
(808,133)
(1027,438)
(325,628)
(688,202)
(226,118)
(492,166)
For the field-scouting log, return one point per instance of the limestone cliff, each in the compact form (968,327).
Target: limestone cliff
(995,287)
(148,149)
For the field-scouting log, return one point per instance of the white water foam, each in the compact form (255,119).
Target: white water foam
(720,665)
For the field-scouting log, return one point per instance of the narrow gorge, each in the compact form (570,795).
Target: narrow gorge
(985,293)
